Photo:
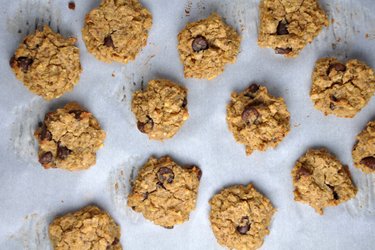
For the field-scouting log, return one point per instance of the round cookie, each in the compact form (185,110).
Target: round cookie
(288,26)
(164,192)
(240,217)
(160,109)
(257,119)
(341,89)
(206,46)
(69,138)
(117,30)
(320,180)
(87,229)
(47,63)
(364,150)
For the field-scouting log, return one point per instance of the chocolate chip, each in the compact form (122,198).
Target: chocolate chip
(184,103)
(253,88)
(63,152)
(250,115)
(244,226)
(302,171)
(46,158)
(108,41)
(334,98)
(76,113)
(282,28)
(283,51)
(334,193)
(24,63)
(332,106)
(199,43)
(165,174)
(115,241)
(147,126)
(337,66)
(45,134)
(72,5)
(368,162)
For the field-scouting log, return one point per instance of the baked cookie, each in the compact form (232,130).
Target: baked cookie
(47,63)
(87,229)
(257,119)
(320,180)
(117,30)
(69,138)
(164,192)
(364,149)
(160,109)
(287,26)
(341,89)
(240,217)
(206,46)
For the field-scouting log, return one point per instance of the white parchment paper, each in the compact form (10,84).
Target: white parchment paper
(30,197)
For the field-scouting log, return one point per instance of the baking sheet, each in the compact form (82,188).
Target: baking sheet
(30,197)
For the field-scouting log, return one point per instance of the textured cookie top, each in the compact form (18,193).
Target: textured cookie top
(341,89)
(240,217)
(206,46)
(117,30)
(287,26)
(69,138)
(160,109)
(164,192)
(257,119)
(364,149)
(47,63)
(87,229)
(320,180)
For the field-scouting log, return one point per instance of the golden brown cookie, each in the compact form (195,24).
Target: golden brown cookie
(47,63)
(206,46)
(257,119)
(87,229)
(364,149)
(160,109)
(117,30)
(341,89)
(287,26)
(164,192)
(240,217)
(320,180)
(69,138)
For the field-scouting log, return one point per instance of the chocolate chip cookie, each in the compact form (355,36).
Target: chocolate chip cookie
(160,109)
(240,217)
(69,138)
(320,180)
(257,119)
(287,26)
(364,149)
(164,192)
(341,89)
(88,228)
(206,46)
(47,63)
(117,30)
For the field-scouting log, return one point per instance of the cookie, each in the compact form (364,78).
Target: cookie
(257,119)
(240,217)
(364,150)
(206,46)
(160,109)
(164,192)
(47,63)
(117,30)
(341,89)
(69,138)
(87,229)
(287,26)
(320,180)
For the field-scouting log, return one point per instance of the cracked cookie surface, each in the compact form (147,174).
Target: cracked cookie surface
(164,192)
(257,119)
(117,30)
(320,180)
(240,217)
(160,109)
(287,26)
(206,46)
(69,138)
(47,63)
(364,150)
(341,89)
(87,229)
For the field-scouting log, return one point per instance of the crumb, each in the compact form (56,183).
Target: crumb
(72,5)
(113,74)
(334,46)
(367,36)
(296,125)
(116,186)
(19,31)
(332,20)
